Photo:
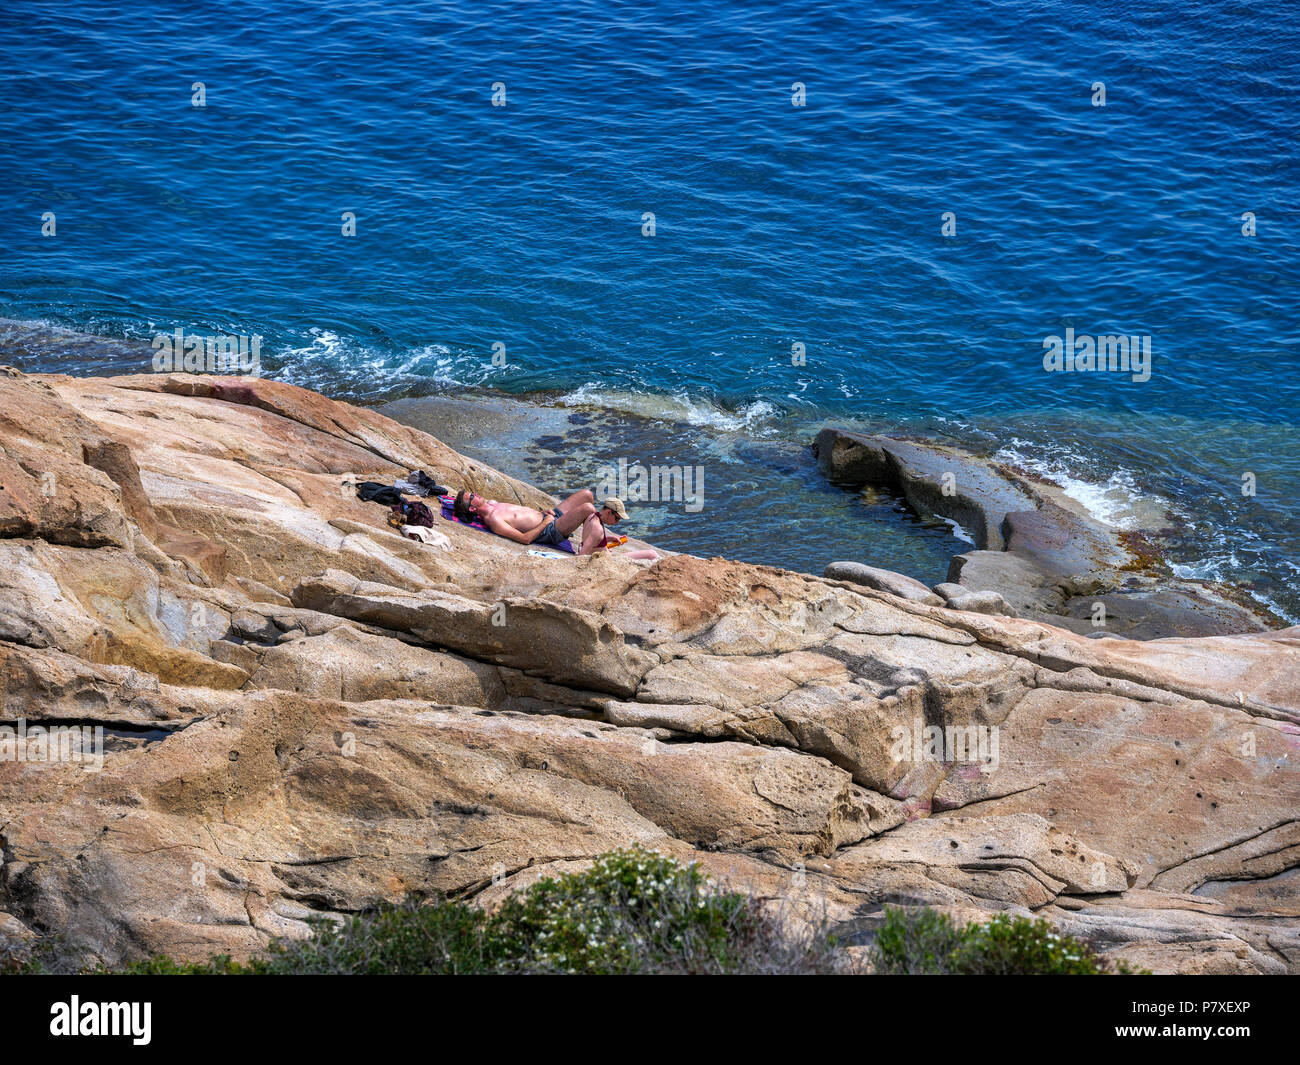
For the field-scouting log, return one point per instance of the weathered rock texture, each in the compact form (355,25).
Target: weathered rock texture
(308,713)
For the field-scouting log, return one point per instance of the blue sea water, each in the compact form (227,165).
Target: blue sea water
(774,224)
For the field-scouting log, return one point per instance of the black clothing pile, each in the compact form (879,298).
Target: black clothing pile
(419,483)
(416,483)
(374,492)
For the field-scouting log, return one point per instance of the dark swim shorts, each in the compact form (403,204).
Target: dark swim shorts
(551,535)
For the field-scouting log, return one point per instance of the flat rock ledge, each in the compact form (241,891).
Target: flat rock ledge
(1037,548)
(305,713)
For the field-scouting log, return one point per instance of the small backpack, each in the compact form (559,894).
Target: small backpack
(414,513)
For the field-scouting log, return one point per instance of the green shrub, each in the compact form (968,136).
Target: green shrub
(221,965)
(631,911)
(928,942)
(634,911)
(437,937)
(919,942)
(1008,945)
(29,957)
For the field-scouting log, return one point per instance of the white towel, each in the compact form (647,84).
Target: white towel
(427,536)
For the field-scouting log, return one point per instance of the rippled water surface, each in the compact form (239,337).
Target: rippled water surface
(775,225)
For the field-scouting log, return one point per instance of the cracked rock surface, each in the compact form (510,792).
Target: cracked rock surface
(309,713)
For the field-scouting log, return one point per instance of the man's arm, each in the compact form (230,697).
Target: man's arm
(593,536)
(503,528)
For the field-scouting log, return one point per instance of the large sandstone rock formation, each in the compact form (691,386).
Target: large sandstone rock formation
(306,713)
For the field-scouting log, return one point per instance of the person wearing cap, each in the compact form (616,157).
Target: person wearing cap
(594,534)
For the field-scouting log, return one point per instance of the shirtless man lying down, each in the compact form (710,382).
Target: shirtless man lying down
(527,525)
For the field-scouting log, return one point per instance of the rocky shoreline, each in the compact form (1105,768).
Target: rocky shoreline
(1037,553)
(311,714)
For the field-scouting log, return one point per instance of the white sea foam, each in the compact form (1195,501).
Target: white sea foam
(674,407)
(1206,569)
(1238,557)
(326,359)
(1220,569)
(1116,501)
(960,533)
(1272,605)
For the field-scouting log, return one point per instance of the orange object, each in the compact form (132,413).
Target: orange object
(615,541)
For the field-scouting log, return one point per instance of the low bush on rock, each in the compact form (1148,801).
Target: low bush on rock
(632,911)
(637,911)
(927,942)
